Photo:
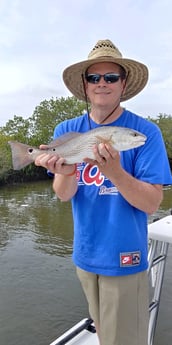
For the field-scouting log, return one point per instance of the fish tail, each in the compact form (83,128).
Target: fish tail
(20,155)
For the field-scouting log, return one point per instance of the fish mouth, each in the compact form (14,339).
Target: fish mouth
(142,139)
(140,142)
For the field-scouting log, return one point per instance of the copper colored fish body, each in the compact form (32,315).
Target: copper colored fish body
(75,147)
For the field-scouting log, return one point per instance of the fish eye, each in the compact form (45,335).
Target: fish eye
(30,150)
(53,149)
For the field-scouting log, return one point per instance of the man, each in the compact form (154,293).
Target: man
(112,195)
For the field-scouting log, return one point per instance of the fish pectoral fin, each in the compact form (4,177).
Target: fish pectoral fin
(63,139)
(104,140)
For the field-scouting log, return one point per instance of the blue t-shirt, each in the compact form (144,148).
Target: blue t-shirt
(110,235)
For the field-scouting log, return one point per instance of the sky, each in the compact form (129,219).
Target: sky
(40,38)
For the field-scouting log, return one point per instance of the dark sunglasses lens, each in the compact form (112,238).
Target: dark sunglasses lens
(111,78)
(108,77)
(93,78)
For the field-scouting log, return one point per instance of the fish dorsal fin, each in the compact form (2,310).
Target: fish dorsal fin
(63,139)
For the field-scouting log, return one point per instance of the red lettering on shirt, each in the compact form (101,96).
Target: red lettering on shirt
(92,175)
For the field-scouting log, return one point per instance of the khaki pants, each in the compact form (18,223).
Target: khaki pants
(118,306)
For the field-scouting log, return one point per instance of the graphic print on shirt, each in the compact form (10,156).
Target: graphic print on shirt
(90,175)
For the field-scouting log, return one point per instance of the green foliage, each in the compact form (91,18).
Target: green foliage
(5,157)
(48,114)
(37,129)
(18,128)
(164,122)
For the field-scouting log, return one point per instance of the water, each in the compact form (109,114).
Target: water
(40,295)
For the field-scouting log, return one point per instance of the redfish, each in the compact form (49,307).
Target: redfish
(75,147)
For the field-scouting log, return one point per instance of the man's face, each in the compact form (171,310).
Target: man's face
(102,92)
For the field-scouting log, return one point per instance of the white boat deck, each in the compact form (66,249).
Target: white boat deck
(160,235)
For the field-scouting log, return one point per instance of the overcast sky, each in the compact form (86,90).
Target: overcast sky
(39,38)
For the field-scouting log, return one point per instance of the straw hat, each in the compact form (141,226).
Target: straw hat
(105,51)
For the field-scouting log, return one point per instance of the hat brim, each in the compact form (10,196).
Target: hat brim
(137,76)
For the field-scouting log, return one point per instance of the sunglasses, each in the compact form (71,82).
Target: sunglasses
(109,78)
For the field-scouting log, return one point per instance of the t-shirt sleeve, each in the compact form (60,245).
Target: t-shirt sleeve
(60,129)
(151,161)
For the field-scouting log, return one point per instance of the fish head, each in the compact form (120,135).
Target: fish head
(126,139)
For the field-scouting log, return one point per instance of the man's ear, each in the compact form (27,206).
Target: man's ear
(123,87)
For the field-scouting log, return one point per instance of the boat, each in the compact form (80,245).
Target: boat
(160,236)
